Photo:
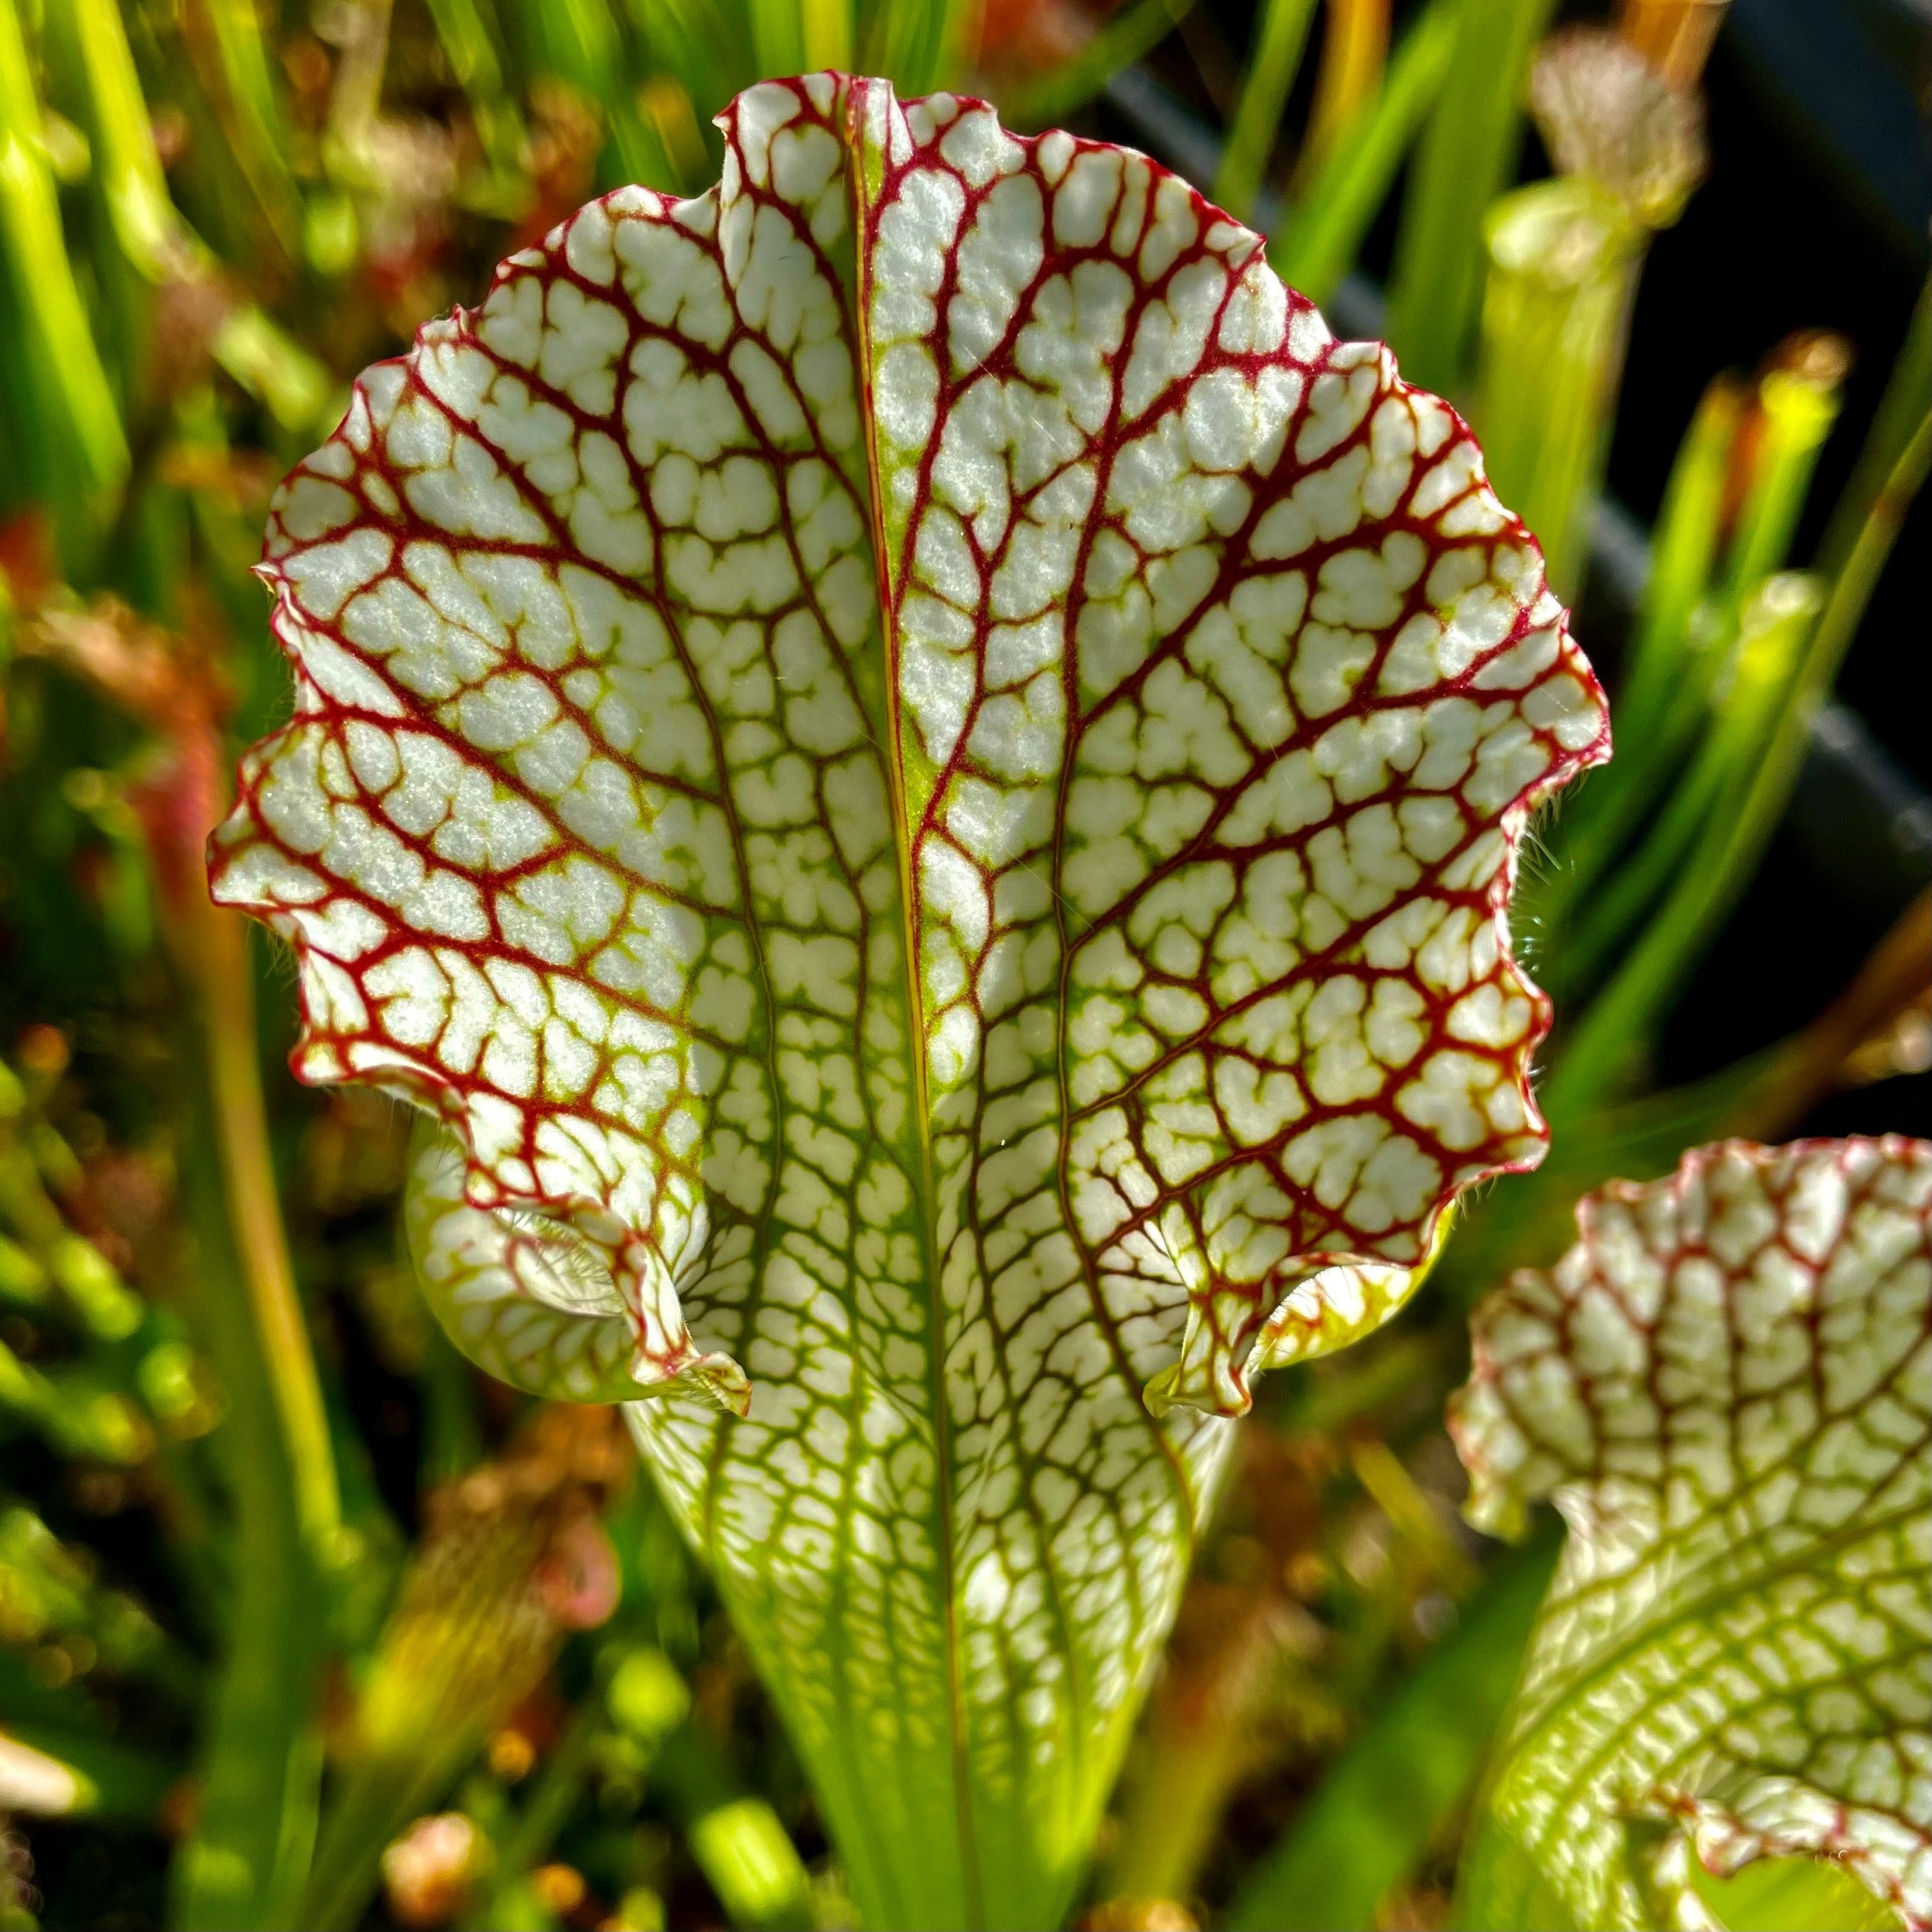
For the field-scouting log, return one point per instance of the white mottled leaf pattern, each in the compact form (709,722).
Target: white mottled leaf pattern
(1726,1388)
(925,773)
(526,1297)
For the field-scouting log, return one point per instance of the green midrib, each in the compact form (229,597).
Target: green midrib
(868,180)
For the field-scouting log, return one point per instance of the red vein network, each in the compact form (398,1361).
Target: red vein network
(913,750)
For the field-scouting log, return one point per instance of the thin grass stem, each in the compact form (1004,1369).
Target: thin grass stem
(1280,37)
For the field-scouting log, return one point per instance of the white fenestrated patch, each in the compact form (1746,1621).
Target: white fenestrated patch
(1726,1388)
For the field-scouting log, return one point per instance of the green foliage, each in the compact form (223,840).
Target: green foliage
(1403,1776)
(72,408)
(1134,30)
(1281,30)
(261,1642)
(1467,156)
(1317,242)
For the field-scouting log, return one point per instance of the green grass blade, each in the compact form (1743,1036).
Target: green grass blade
(825,32)
(1468,154)
(225,996)
(579,41)
(478,67)
(1135,31)
(777,36)
(1908,396)
(80,422)
(242,1865)
(1775,629)
(1280,38)
(91,33)
(1682,558)
(1852,588)
(1622,1017)
(297,390)
(666,109)
(1354,57)
(1316,246)
(699,44)
(1691,630)
(956,43)
(917,46)
(1413,1763)
(154,238)
(252,113)
(1797,404)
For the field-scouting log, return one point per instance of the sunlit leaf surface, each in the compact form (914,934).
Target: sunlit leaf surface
(1726,1388)
(925,771)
